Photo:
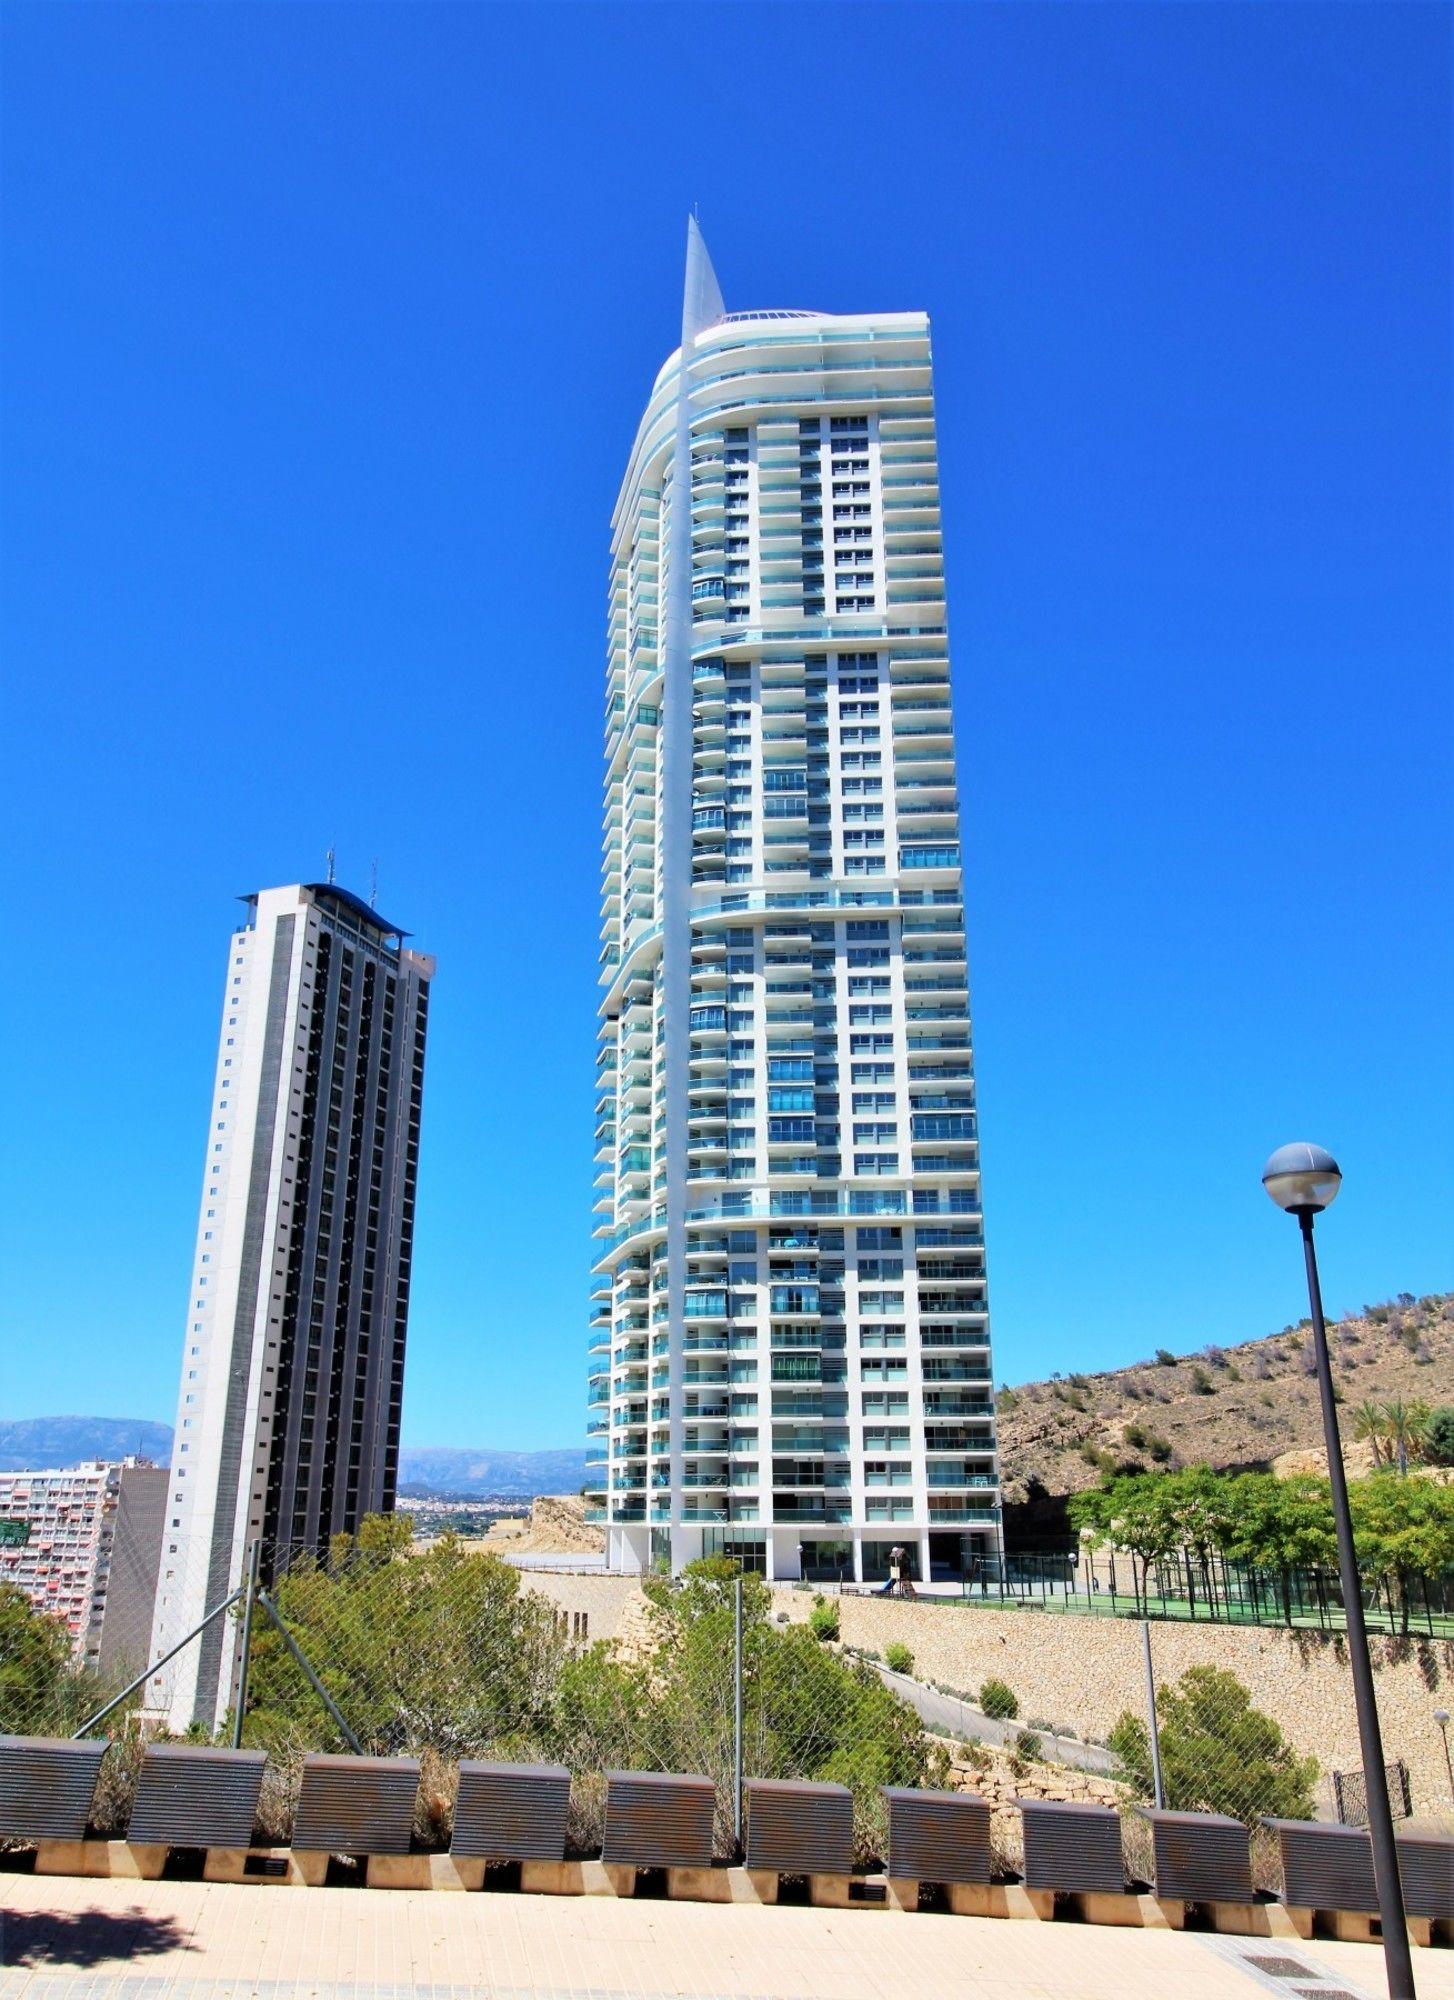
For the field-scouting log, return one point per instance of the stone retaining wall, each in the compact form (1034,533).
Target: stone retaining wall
(1081,1672)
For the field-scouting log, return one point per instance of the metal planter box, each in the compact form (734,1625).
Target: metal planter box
(511,1812)
(1074,1848)
(1325,1866)
(655,1819)
(1426,1869)
(46,1786)
(798,1828)
(191,1797)
(356,1805)
(938,1836)
(1202,1857)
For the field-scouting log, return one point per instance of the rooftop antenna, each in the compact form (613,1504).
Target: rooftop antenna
(332,858)
(374,883)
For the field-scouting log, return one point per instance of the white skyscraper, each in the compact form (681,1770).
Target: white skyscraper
(789,1334)
(293,1358)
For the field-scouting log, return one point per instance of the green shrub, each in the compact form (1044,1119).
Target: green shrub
(1160,1449)
(823,1619)
(1028,1747)
(1137,1435)
(1202,1383)
(1439,1436)
(1165,1358)
(999,1700)
(898,1657)
(1218,1752)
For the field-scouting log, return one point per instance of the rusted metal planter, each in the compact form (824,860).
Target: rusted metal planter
(511,1812)
(797,1828)
(187,1796)
(656,1819)
(356,1805)
(47,1784)
(1201,1857)
(938,1836)
(1074,1849)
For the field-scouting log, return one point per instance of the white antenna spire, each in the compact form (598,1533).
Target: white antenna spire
(701,296)
(374,883)
(332,859)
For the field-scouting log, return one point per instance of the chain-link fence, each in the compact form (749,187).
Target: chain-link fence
(443,1653)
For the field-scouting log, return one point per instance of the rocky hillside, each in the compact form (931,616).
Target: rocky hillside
(1231,1407)
(557,1527)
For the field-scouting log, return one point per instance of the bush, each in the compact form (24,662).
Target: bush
(823,1620)
(1439,1436)
(1202,1383)
(999,1700)
(1218,1752)
(1136,1435)
(898,1657)
(1028,1747)
(1165,1358)
(1160,1449)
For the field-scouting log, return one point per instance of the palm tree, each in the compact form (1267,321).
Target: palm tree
(1370,1426)
(1405,1425)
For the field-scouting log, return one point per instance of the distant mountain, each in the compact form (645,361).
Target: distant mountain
(466,1474)
(36,1442)
(428,1469)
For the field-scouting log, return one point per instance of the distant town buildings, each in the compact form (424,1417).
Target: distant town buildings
(83,1544)
(790,1332)
(293,1358)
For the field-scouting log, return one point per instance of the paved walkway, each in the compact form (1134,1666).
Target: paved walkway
(63,1939)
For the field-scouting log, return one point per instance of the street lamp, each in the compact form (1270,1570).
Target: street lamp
(1441,1716)
(1303,1180)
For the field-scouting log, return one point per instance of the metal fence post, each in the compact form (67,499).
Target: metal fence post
(737,1716)
(245,1662)
(1152,1730)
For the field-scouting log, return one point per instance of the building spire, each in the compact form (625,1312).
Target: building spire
(701,296)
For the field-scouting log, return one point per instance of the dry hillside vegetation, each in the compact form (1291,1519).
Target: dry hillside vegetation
(1229,1407)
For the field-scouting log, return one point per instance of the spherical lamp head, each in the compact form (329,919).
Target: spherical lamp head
(1302,1179)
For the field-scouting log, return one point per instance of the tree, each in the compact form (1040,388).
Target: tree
(1402,1528)
(1134,1512)
(1281,1525)
(1439,1436)
(807,1711)
(1370,1427)
(1407,1424)
(441,1649)
(35,1661)
(1218,1752)
(1202,1509)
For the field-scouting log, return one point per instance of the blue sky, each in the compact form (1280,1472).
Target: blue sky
(325,334)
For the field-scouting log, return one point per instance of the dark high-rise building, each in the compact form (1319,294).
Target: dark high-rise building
(293,1359)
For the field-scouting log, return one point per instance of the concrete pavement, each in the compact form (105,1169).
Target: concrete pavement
(64,1939)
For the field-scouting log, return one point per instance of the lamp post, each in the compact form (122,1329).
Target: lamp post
(1441,1716)
(1303,1180)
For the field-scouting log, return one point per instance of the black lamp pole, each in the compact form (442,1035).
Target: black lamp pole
(1303,1180)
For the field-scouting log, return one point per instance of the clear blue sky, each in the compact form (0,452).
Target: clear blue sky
(326,331)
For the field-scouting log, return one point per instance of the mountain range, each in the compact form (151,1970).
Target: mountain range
(34,1442)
